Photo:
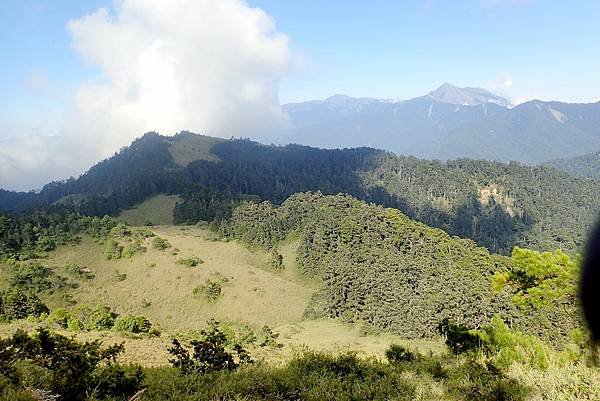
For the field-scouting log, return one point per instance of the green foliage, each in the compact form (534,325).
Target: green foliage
(59,317)
(207,354)
(160,243)
(211,290)
(97,317)
(78,271)
(276,260)
(505,346)
(132,324)
(192,261)
(459,338)
(112,250)
(499,344)
(387,271)
(65,368)
(319,376)
(19,304)
(267,338)
(34,277)
(539,278)
(132,249)
(397,353)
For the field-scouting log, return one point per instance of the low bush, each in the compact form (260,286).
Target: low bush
(132,249)
(78,271)
(18,304)
(112,250)
(458,337)
(268,338)
(190,262)
(160,243)
(208,354)
(397,353)
(132,324)
(211,290)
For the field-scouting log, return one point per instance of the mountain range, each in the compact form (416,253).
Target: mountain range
(449,123)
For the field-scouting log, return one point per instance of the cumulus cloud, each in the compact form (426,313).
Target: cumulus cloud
(209,66)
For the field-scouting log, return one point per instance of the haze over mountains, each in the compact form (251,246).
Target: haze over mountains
(449,123)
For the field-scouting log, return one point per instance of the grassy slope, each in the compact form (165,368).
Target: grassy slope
(157,210)
(188,148)
(255,295)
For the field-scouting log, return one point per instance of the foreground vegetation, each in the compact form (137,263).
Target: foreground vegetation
(502,366)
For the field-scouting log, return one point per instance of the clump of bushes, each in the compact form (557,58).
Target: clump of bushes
(132,249)
(276,259)
(268,338)
(112,250)
(498,343)
(18,304)
(192,261)
(211,290)
(98,318)
(61,368)
(34,277)
(132,324)
(210,353)
(78,271)
(160,243)
(458,337)
(397,353)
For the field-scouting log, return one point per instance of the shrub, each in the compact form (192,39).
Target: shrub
(119,276)
(269,339)
(505,346)
(207,354)
(276,259)
(211,290)
(133,249)
(74,324)
(160,243)
(112,250)
(132,324)
(100,318)
(17,304)
(458,337)
(190,262)
(34,277)
(59,317)
(78,271)
(57,365)
(397,353)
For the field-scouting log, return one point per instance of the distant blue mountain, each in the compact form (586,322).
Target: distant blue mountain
(448,123)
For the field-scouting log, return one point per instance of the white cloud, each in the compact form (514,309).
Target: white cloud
(210,66)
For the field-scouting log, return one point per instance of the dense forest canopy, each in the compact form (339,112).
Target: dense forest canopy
(379,267)
(587,166)
(498,205)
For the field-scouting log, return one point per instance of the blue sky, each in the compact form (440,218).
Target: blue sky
(77,83)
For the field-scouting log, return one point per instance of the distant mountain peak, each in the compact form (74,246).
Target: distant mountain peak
(448,93)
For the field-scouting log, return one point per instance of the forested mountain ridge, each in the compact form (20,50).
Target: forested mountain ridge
(498,205)
(587,166)
(450,123)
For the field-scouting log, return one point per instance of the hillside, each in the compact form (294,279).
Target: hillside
(327,272)
(497,205)
(152,284)
(587,166)
(449,123)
